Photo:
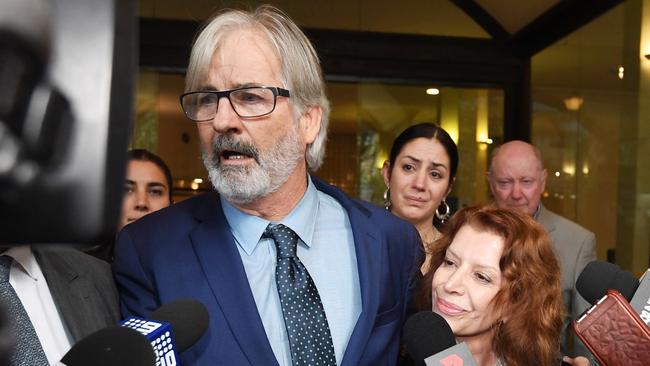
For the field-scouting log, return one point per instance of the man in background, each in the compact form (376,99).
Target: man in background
(55,296)
(290,269)
(517,178)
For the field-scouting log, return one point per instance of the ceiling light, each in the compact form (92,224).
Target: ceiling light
(433,91)
(573,103)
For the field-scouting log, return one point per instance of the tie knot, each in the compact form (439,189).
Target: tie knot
(286,240)
(5,267)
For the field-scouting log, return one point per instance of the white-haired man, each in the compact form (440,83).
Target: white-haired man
(517,179)
(292,271)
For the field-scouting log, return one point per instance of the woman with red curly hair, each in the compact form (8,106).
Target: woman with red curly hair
(495,279)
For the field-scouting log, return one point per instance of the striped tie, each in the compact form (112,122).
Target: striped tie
(28,350)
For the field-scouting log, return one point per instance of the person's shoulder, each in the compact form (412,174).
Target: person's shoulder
(371,210)
(564,224)
(178,214)
(70,256)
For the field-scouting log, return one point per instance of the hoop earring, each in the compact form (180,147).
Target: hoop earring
(387,203)
(444,216)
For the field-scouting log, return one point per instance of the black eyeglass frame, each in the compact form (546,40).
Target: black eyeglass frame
(277,91)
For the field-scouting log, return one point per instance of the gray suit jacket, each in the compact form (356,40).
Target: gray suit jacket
(82,288)
(574,246)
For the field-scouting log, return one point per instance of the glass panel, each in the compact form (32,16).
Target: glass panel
(162,128)
(473,117)
(365,119)
(591,122)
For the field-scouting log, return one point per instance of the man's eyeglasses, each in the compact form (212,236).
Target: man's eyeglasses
(248,102)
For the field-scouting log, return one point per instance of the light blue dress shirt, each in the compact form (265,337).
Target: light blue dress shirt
(326,248)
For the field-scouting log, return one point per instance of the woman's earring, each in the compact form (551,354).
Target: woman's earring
(443,216)
(387,199)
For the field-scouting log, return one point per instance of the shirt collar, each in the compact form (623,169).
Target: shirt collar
(24,259)
(536,213)
(248,229)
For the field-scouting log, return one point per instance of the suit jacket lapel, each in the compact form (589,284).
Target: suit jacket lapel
(546,220)
(219,258)
(369,267)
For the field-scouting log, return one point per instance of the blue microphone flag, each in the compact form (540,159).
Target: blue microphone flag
(159,335)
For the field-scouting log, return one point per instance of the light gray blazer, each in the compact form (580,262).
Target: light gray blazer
(574,246)
(82,288)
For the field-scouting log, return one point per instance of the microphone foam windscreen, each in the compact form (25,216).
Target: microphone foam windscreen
(115,345)
(188,318)
(599,276)
(425,334)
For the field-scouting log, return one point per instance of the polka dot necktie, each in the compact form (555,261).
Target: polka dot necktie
(309,334)
(28,350)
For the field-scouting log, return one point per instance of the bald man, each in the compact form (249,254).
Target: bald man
(517,179)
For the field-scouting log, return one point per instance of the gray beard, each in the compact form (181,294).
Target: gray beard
(245,184)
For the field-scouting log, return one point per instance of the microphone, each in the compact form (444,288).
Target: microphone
(613,315)
(172,329)
(111,346)
(431,342)
(613,332)
(598,277)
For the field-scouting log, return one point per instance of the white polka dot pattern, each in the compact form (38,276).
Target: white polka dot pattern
(309,334)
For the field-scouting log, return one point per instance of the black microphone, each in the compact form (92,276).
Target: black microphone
(172,328)
(188,318)
(598,277)
(430,341)
(111,346)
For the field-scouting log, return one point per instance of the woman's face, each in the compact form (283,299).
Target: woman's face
(419,180)
(145,191)
(467,281)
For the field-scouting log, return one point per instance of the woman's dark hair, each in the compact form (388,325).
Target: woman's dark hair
(145,155)
(427,131)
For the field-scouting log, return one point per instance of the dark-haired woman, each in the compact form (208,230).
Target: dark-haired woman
(419,176)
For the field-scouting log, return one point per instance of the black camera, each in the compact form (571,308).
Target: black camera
(67,71)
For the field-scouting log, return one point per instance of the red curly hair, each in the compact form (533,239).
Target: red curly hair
(530,298)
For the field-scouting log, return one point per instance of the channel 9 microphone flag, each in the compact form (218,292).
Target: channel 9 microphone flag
(173,328)
(159,335)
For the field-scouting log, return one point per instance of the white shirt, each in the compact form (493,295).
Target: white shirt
(29,283)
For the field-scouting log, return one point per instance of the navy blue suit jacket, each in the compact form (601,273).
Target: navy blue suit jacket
(188,251)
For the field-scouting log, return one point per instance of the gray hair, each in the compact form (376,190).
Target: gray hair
(301,71)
